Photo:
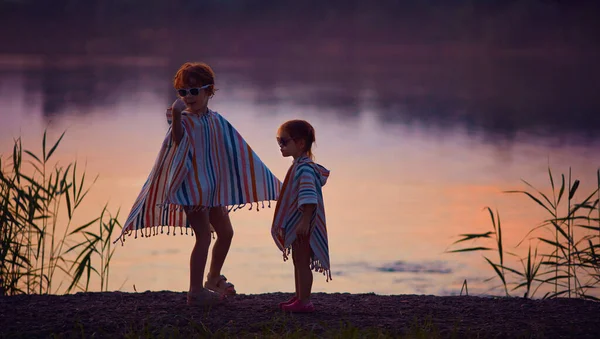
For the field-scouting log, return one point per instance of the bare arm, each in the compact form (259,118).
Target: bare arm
(176,126)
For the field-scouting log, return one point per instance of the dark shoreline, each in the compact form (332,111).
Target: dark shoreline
(117,314)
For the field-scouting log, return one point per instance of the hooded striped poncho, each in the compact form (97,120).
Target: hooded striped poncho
(212,166)
(303,185)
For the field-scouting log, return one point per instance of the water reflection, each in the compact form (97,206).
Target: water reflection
(500,100)
(432,176)
(78,90)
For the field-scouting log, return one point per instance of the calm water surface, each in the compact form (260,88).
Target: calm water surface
(416,151)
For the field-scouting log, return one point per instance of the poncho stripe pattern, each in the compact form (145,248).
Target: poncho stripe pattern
(303,185)
(212,166)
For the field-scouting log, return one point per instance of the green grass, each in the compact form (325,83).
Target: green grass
(281,327)
(278,327)
(38,200)
(570,261)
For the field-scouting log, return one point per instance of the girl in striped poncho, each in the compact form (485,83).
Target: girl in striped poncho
(204,169)
(299,221)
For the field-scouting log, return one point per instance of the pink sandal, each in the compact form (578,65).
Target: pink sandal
(289,301)
(220,286)
(298,307)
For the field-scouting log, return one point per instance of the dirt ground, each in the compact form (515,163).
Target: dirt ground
(117,314)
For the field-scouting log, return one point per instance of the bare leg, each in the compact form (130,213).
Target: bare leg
(296,273)
(305,280)
(219,218)
(200,225)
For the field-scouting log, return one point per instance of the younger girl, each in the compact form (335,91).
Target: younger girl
(299,221)
(204,169)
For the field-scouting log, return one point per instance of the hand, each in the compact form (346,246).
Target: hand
(178,106)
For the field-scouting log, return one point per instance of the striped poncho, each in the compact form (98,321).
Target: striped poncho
(303,185)
(212,166)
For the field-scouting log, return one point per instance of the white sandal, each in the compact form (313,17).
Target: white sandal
(221,286)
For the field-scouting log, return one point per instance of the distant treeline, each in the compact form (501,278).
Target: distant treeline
(538,10)
(514,23)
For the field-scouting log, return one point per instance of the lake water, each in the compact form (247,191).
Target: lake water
(416,151)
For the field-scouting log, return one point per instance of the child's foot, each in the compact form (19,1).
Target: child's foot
(289,301)
(204,298)
(299,307)
(220,285)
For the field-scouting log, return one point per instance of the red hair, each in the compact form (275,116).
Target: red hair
(300,130)
(195,74)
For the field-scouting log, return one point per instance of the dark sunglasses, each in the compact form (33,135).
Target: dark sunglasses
(283,141)
(193,91)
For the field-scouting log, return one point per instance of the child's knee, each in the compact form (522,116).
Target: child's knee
(225,234)
(301,253)
(296,252)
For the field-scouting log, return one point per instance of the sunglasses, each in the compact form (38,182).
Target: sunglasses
(283,141)
(193,91)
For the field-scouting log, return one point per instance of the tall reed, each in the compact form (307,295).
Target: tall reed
(37,241)
(571,268)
